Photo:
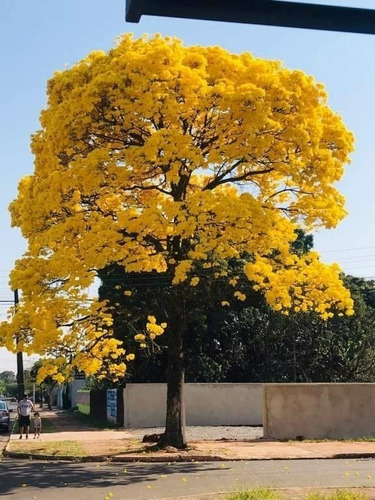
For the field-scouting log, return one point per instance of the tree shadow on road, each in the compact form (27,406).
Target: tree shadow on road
(49,475)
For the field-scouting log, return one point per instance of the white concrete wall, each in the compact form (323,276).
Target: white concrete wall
(318,411)
(205,404)
(59,402)
(75,386)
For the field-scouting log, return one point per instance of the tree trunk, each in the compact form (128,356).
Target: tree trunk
(175,422)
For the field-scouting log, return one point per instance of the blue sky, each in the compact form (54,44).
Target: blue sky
(36,38)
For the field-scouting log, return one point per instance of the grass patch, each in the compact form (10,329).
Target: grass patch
(267,494)
(91,421)
(255,494)
(47,426)
(111,447)
(338,495)
(75,448)
(54,448)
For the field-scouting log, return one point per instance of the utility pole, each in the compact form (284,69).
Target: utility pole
(20,380)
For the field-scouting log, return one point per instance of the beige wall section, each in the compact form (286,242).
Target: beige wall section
(223,404)
(317,411)
(144,405)
(206,404)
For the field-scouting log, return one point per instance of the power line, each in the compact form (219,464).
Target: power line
(357,257)
(346,249)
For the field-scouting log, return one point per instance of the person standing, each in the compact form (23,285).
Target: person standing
(25,407)
(37,425)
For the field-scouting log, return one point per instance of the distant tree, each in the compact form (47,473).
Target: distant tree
(8,376)
(2,388)
(8,384)
(11,390)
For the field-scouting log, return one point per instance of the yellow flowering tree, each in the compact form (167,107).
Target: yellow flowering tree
(168,159)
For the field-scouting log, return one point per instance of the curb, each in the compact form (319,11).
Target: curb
(174,459)
(11,431)
(217,458)
(31,456)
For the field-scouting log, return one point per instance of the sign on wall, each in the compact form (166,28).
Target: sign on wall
(112,405)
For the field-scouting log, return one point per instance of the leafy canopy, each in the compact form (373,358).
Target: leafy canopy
(165,158)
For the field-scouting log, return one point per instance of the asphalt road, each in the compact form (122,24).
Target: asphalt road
(37,480)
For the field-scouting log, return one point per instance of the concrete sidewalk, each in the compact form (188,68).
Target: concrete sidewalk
(121,445)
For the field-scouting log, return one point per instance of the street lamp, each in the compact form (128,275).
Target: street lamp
(287,13)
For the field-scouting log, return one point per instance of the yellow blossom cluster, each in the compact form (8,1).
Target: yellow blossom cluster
(54,369)
(153,330)
(302,284)
(239,295)
(194,281)
(156,157)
